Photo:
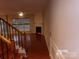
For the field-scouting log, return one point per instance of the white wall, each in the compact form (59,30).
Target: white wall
(64,25)
(38,20)
(46,27)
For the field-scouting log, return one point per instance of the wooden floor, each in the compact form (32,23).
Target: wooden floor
(38,48)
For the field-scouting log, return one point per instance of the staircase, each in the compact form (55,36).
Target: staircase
(13,43)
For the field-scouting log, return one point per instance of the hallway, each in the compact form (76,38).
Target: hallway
(38,48)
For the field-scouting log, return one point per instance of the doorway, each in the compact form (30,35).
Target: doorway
(38,29)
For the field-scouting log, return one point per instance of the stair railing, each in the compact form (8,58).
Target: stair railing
(11,34)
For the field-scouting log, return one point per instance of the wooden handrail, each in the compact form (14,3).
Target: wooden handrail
(10,25)
(5,40)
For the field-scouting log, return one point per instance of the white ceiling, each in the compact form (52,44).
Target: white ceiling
(13,6)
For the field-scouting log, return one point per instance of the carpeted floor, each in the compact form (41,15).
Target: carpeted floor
(38,48)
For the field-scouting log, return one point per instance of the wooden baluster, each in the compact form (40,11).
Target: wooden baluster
(12,33)
(24,40)
(2,47)
(9,33)
(1,27)
(6,47)
(4,30)
(16,35)
(19,38)
(1,51)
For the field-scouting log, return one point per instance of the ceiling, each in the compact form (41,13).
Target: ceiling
(13,6)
